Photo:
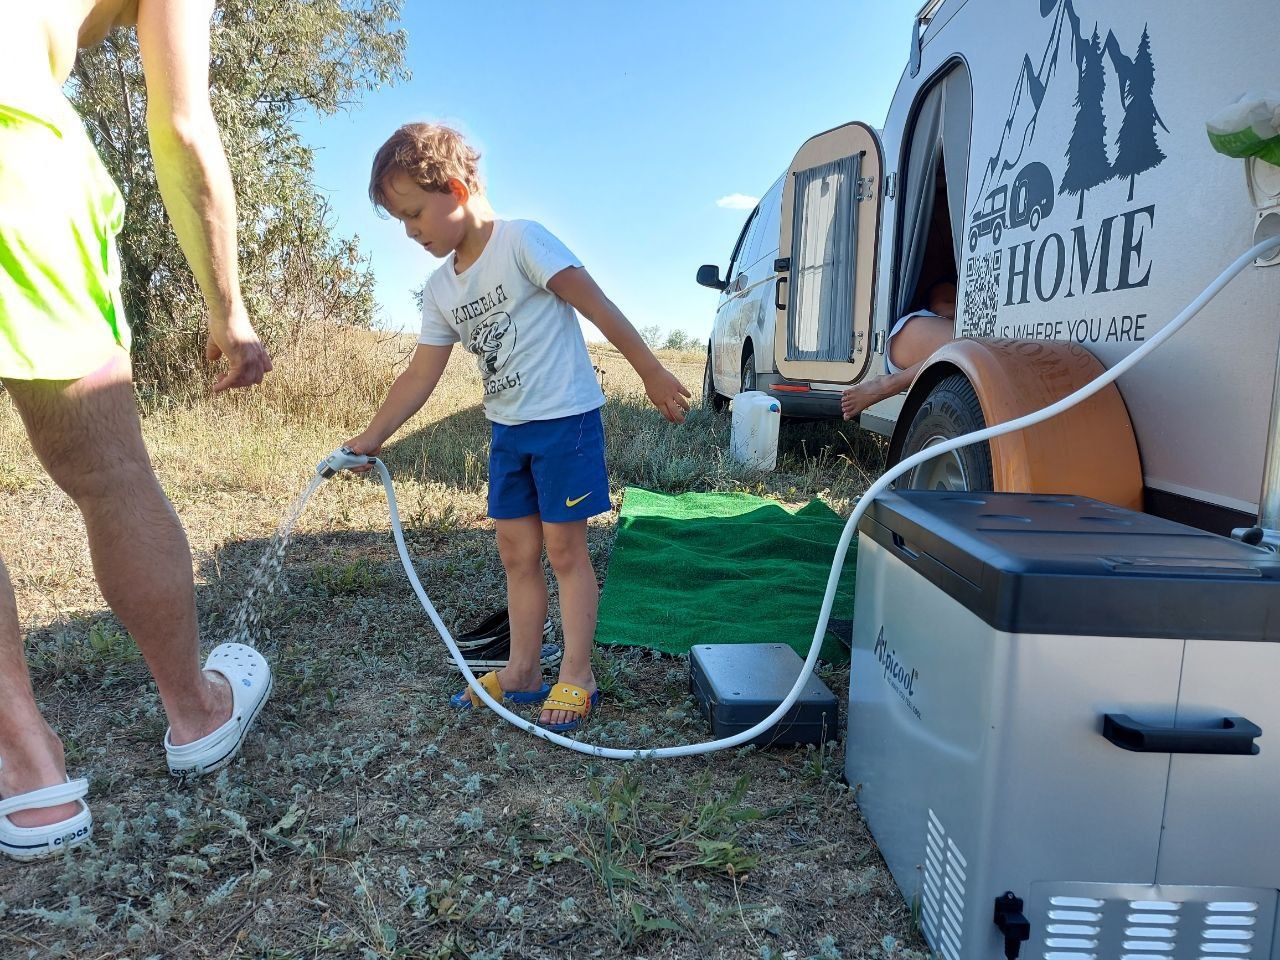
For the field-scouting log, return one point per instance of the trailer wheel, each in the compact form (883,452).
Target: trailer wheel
(949,410)
(710,398)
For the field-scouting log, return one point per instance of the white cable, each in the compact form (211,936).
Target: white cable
(842,548)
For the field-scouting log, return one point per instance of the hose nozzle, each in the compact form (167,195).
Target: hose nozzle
(341,459)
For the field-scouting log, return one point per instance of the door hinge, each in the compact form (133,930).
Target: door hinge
(878,342)
(866,189)
(890,186)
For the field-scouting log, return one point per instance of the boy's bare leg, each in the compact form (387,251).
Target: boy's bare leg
(520,547)
(89,438)
(579,604)
(30,751)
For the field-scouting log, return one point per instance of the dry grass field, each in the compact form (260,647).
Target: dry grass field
(365,818)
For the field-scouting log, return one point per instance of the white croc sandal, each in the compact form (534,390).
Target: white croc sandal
(32,843)
(250,678)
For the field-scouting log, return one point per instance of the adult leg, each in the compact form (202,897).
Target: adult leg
(30,752)
(579,605)
(88,435)
(520,547)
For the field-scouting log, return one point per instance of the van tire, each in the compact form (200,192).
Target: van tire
(996,230)
(949,410)
(748,380)
(710,398)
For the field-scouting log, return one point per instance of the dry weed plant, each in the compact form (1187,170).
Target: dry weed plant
(366,818)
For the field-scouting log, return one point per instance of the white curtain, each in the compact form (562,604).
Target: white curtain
(823,256)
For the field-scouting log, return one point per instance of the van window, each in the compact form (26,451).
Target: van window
(770,214)
(737,261)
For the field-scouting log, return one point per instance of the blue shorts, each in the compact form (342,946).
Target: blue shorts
(554,468)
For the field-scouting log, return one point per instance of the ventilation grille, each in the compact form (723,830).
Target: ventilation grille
(1074,926)
(942,899)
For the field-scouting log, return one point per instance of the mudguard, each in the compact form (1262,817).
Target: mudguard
(1089,450)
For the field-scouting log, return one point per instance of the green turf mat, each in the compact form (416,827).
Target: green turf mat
(721,568)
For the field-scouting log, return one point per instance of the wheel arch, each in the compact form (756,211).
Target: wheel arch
(1088,450)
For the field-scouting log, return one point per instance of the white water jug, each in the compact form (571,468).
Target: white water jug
(754,440)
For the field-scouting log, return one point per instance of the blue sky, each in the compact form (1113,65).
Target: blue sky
(619,126)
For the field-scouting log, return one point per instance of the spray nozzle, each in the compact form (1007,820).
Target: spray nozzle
(341,459)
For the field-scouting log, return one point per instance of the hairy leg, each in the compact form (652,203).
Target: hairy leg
(579,604)
(88,436)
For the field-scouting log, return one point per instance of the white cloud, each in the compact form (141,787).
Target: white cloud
(738,201)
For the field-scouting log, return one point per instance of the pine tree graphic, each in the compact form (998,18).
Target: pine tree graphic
(1087,164)
(1136,147)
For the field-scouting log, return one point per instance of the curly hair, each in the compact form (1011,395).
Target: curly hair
(430,154)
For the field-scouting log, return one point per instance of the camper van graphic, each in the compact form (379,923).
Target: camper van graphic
(1028,202)
(492,342)
(1091,156)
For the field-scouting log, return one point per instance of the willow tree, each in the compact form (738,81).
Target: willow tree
(272,62)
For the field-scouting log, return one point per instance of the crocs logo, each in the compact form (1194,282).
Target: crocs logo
(68,837)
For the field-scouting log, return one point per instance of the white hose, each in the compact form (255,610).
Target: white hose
(842,548)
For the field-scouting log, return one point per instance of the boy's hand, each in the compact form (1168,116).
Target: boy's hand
(365,446)
(668,394)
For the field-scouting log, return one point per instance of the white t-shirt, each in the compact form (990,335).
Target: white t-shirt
(528,345)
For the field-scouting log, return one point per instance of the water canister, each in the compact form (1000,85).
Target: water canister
(755,430)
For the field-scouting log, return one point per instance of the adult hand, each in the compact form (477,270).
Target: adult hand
(247,359)
(668,394)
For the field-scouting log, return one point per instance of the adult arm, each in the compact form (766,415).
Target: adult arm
(575,286)
(195,181)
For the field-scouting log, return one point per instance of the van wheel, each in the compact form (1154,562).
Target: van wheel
(973,239)
(996,230)
(949,410)
(710,399)
(748,372)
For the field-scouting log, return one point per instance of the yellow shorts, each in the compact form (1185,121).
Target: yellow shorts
(61,315)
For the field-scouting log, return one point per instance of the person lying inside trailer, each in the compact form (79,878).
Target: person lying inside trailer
(913,339)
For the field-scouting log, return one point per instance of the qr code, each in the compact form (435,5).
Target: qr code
(981,295)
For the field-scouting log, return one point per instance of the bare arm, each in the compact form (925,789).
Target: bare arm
(195,182)
(576,287)
(405,398)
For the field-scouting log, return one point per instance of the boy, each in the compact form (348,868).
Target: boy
(913,339)
(508,291)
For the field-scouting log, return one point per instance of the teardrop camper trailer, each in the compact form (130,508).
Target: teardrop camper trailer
(1054,698)
(1050,157)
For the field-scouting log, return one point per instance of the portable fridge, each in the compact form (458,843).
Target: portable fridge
(1063,716)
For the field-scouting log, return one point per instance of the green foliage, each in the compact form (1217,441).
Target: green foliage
(679,340)
(652,335)
(272,61)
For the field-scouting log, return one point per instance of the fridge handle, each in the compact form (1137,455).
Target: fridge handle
(1234,735)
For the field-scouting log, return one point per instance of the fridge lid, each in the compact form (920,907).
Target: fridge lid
(1037,563)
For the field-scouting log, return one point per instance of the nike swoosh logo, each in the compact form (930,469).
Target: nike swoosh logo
(574,503)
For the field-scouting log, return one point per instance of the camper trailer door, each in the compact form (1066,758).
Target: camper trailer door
(827,243)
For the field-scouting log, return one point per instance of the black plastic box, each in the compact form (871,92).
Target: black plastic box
(739,684)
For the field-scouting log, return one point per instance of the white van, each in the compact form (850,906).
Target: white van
(1051,157)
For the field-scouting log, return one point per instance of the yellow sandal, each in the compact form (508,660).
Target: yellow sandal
(572,699)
